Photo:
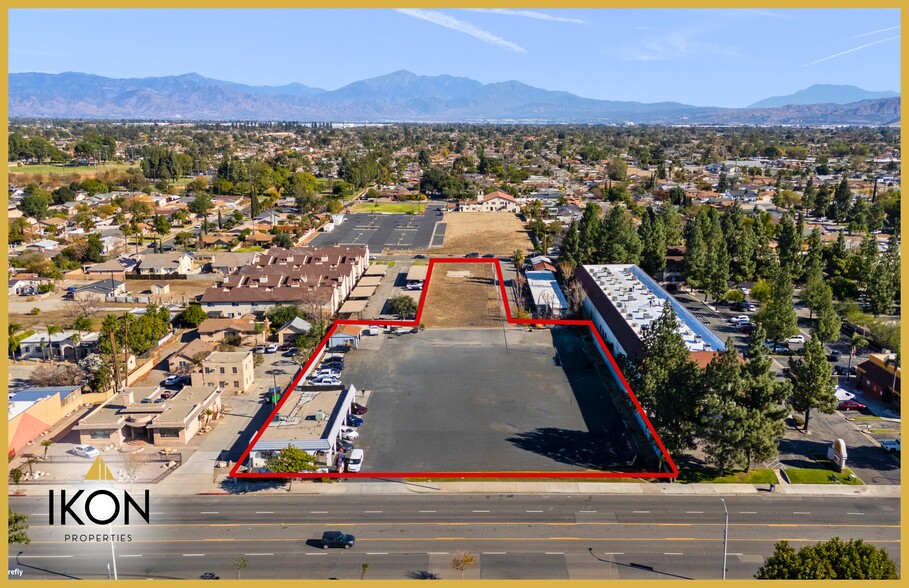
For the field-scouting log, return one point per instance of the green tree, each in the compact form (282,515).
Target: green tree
(856,342)
(696,252)
(240,564)
(842,200)
(724,418)
(789,246)
(777,315)
(764,397)
(668,382)
(619,241)
(35,204)
(193,315)
(672,224)
(518,258)
(18,528)
(829,322)
(617,169)
(46,445)
(813,385)
(15,476)
(291,460)
(815,291)
(653,238)
(717,264)
(284,240)
(831,560)
(403,305)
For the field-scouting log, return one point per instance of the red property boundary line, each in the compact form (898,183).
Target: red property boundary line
(415,323)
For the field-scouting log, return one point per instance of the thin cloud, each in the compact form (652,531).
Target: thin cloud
(528,14)
(449,22)
(853,50)
(877,32)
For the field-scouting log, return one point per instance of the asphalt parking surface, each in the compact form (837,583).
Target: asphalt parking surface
(387,231)
(451,400)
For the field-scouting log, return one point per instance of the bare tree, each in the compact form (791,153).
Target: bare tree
(60,375)
(132,464)
(463,560)
(87,306)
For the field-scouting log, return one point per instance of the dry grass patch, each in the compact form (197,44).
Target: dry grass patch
(462,295)
(499,233)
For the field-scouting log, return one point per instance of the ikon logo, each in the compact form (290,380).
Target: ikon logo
(101,507)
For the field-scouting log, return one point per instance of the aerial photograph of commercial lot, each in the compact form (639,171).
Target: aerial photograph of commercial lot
(522,310)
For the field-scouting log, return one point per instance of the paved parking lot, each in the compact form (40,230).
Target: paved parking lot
(485,400)
(388,231)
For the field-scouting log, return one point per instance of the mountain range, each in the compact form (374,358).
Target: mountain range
(400,96)
(823,94)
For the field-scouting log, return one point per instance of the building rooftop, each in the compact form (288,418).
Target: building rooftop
(308,420)
(640,300)
(227,356)
(545,290)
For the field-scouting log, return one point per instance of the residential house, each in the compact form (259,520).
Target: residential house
(151,415)
(64,346)
(289,332)
(26,284)
(101,290)
(165,264)
(214,330)
(112,268)
(230,371)
(229,262)
(219,240)
(182,359)
(34,411)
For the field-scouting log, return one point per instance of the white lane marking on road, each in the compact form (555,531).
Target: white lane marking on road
(555,553)
(493,553)
(40,514)
(481,511)
(855,513)
(694,512)
(376,553)
(193,555)
(209,512)
(436,553)
(130,555)
(641,511)
(801,512)
(426,511)
(373,511)
(587,511)
(673,553)
(24,556)
(535,511)
(258,554)
(318,512)
(156,513)
(747,512)
(265,512)
(734,554)
(613,553)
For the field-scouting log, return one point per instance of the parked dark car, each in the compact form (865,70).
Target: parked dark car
(833,356)
(747,328)
(354,421)
(739,306)
(472,255)
(419,256)
(488,256)
(337,539)
(840,370)
(358,409)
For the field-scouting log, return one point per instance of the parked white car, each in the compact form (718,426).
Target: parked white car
(349,433)
(355,461)
(86,451)
(843,395)
(797,340)
(739,319)
(325,381)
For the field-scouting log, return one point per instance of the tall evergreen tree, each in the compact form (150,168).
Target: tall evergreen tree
(820,202)
(789,246)
(672,224)
(589,232)
(669,382)
(718,262)
(837,257)
(764,400)
(618,240)
(842,200)
(778,316)
(723,416)
(653,240)
(570,249)
(883,284)
(765,261)
(829,322)
(815,291)
(813,386)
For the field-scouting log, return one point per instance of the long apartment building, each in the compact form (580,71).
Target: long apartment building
(319,277)
(623,301)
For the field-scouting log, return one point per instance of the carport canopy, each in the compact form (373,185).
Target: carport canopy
(370,281)
(353,306)
(376,269)
(363,292)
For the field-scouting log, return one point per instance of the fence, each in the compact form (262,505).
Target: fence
(109,459)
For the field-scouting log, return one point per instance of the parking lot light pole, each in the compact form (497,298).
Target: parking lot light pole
(113,556)
(725,535)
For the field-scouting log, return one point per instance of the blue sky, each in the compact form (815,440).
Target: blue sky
(702,57)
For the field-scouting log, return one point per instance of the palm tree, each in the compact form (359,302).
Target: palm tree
(518,257)
(46,445)
(857,342)
(51,331)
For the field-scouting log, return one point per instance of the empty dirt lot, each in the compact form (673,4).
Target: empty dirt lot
(499,233)
(462,295)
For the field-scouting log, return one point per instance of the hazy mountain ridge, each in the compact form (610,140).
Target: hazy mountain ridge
(398,96)
(824,94)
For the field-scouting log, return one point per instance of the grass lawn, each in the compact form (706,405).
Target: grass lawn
(253,249)
(421,262)
(390,207)
(820,476)
(883,431)
(59,168)
(867,418)
(756,476)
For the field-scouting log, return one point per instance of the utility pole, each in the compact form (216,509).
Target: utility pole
(725,536)
(113,556)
